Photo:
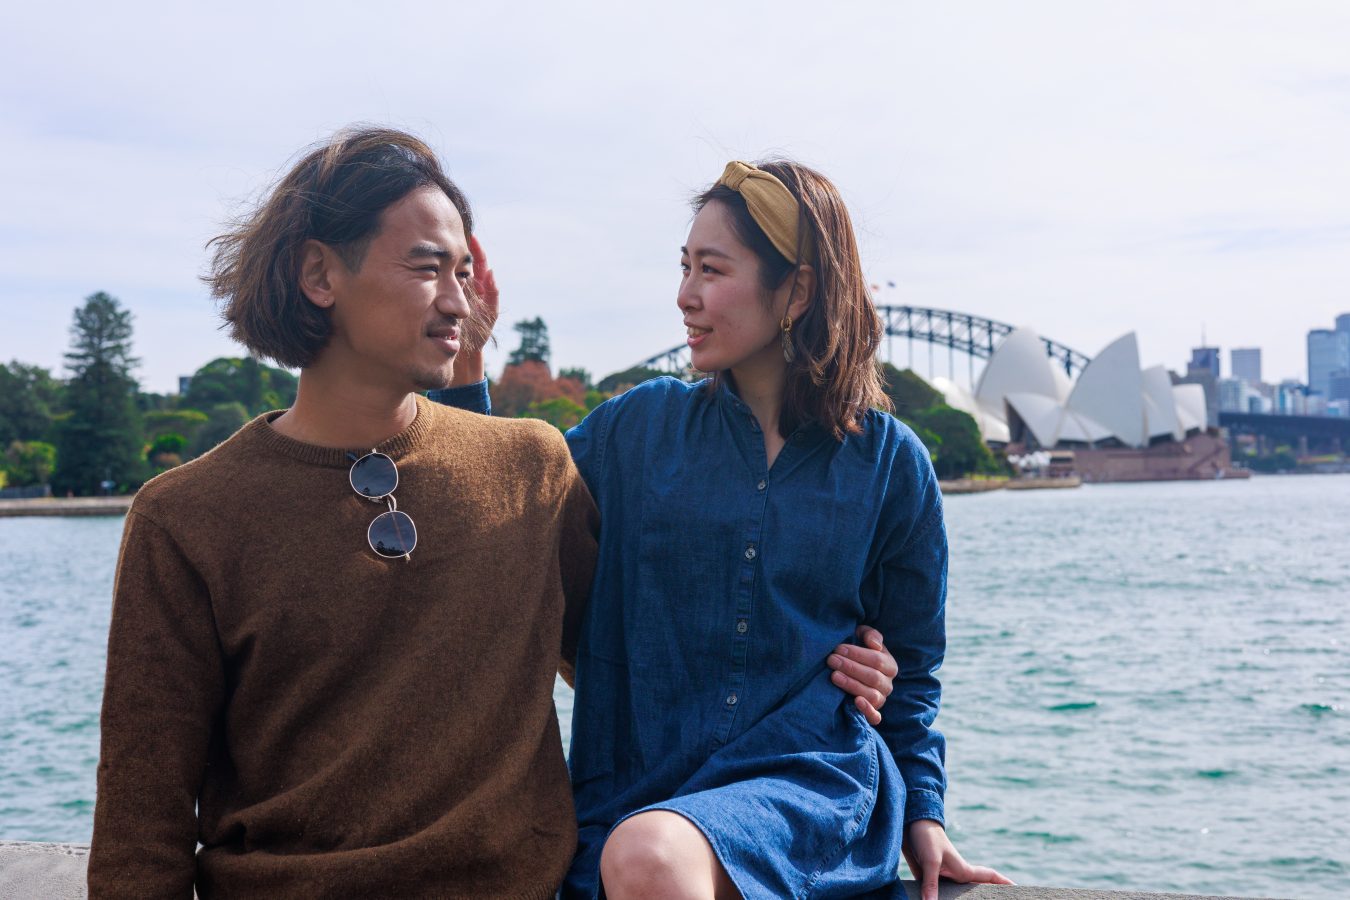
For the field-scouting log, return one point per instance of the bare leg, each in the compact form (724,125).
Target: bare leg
(661,854)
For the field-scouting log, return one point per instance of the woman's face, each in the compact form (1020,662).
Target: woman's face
(730,323)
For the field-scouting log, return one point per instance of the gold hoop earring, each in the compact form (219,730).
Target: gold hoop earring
(789,351)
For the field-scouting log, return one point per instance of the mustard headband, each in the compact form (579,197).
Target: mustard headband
(771,205)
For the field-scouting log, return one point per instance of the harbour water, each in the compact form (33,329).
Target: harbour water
(1147,686)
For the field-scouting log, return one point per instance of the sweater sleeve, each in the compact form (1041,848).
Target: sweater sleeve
(472,398)
(577,549)
(912,621)
(163,691)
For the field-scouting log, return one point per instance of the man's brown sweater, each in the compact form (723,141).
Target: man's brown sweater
(326,722)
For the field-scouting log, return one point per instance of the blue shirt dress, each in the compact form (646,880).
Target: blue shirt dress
(722,586)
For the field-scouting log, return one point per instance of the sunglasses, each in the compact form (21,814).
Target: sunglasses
(392,533)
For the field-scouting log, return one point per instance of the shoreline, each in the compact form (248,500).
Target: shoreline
(66,506)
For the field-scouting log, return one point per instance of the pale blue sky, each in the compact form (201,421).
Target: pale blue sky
(1086,168)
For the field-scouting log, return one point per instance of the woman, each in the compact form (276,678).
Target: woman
(751,522)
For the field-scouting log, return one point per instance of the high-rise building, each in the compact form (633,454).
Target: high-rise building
(1328,351)
(1343,322)
(1245,363)
(1338,385)
(1206,358)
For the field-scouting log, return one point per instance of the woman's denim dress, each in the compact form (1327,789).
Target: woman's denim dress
(721,588)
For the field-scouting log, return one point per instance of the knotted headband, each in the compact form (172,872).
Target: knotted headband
(771,205)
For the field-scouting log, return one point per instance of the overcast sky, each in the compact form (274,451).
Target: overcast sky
(1085,168)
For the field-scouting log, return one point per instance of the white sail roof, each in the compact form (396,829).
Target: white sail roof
(1190,406)
(1160,404)
(1040,413)
(1111,391)
(1018,366)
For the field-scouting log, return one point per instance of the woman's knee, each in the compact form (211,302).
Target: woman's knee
(657,853)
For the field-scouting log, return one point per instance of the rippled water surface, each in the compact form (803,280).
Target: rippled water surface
(1147,686)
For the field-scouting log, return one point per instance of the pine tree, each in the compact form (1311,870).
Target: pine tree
(533,342)
(100,440)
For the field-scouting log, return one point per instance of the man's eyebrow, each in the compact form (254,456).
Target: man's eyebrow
(706,251)
(422,251)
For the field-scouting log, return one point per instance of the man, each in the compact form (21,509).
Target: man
(334,636)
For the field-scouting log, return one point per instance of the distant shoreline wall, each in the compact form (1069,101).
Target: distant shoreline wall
(65,506)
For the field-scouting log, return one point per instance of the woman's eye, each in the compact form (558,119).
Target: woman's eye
(708,270)
(684,267)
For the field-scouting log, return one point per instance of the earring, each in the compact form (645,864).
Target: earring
(789,351)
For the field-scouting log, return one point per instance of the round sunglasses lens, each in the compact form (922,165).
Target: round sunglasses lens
(392,534)
(374,475)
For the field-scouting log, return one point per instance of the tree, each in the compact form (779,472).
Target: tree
(960,450)
(101,439)
(223,420)
(560,412)
(183,422)
(622,381)
(246,381)
(533,343)
(578,375)
(909,392)
(29,398)
(29,462)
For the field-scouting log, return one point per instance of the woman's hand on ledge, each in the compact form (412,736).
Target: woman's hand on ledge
(930,855)
(865,672)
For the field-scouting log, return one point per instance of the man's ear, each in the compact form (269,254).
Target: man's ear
(803,291)
(318,266)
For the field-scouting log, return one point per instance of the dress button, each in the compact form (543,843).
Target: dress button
(750,552)
(731,699)
(742,627)
(762,485)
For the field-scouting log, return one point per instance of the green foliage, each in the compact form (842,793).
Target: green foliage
(560,412)
(1281,460)
(622,381)
(29,398)
(579,375)
(101,439)
(29,462)
(256,386)
(960,450)
(908,391)
(223,420)
(533,342)
(595,398)
(175,421)
(167,443)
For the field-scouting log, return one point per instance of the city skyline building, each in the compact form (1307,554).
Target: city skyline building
(1328,352)
(1205,359)
(1245,363)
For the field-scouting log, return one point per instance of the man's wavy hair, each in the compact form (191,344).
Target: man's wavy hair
(335,195)
(834,378)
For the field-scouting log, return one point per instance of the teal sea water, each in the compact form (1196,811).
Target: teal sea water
(1147,686)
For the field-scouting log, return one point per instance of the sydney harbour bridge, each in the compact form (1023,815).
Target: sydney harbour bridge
(975,337)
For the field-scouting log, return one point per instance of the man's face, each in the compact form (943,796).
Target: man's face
(396,321)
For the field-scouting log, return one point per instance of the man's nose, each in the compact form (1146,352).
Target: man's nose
(454,301)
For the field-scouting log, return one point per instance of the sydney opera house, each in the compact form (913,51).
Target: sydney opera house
(1122,422)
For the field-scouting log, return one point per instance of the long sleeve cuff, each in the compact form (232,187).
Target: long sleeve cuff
(468,397)
(921,804)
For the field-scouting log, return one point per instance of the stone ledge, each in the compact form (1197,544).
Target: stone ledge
(56,872)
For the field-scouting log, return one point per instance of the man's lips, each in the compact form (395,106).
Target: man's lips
(446,335)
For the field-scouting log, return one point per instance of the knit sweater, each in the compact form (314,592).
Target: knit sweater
(326,722)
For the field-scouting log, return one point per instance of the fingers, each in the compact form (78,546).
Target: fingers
(870,712)
(930,879)
(859,680)
(873,668)
(870,637)
(984,875)
(480,262)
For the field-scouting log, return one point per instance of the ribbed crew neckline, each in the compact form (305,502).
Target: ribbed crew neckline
(261,430)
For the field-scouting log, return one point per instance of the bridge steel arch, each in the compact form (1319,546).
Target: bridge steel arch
(975,336)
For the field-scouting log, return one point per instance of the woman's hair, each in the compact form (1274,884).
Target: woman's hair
(335,195)
(834,378)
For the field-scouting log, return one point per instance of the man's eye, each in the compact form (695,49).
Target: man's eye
(435,270)
(463,276)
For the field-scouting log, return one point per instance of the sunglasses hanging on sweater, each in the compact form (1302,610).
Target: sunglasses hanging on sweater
(392,533)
